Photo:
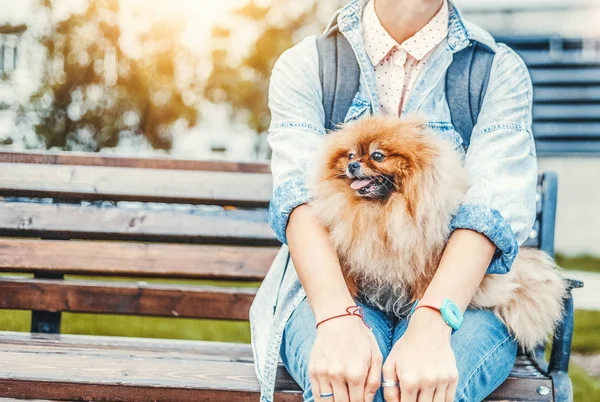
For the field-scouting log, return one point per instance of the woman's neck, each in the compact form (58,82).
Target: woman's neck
(404,18)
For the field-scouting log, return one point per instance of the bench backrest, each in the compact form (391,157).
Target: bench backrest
(566,80)
(107,216)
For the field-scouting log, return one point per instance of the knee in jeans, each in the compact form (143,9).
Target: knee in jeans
(489,373)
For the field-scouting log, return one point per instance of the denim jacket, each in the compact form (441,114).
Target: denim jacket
(500,160)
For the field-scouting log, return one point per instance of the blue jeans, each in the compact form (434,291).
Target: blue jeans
(485,351)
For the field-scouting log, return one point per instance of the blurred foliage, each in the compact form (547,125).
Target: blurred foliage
(93,90)
(580,263)
(243,82)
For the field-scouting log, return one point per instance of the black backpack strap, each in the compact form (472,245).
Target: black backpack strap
(339,74)
(466,83)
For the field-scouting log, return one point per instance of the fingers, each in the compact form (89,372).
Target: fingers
(356,385)
(426,394)
(440,394)
(451,390)
(374,376)
(314,384)
(325,393)
(410,388)
(320,386)
(346,375)
(390,394)
(340,390)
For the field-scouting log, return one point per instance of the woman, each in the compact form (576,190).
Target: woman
(403,48)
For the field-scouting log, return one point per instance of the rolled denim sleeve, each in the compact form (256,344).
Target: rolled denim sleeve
(501,163)
(296,129)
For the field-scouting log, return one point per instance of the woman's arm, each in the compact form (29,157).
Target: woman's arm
(464,263)
(497,215)
(351,376)
(317,264)
(427,338)
(295,135)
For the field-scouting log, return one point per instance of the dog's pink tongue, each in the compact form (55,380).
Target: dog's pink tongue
(358,184)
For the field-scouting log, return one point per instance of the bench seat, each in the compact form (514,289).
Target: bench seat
(77,367)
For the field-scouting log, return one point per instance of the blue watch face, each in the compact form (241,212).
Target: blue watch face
(451,314)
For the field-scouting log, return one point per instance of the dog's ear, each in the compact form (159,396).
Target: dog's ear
(411,192)
(420,155)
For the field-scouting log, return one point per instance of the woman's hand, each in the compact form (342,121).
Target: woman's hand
(345,361)
(422,361)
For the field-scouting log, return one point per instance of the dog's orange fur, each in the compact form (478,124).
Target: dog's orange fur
(390,248)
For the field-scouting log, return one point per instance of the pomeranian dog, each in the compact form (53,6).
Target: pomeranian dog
(387,189)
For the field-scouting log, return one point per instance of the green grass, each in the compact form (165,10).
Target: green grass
(141,327)
(586,336)
(585,388)
(586,339)
(579,263)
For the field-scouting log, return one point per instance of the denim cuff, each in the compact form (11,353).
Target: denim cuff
(286,197)
(490,223)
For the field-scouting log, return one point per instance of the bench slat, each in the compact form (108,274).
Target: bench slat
(94,159)
(126,298)
(565,76)
(568,58)
(65,221)
(567,94)
(125,184)
(54,372)
(117,346)
(558,111)
(114,391)
(136,259)
(567,130)
(561,147)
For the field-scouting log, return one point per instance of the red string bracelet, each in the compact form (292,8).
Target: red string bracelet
(350,311)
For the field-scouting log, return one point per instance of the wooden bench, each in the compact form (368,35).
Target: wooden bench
(77,233)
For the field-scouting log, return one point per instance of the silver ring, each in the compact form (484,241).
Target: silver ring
(329,395)
(390,383)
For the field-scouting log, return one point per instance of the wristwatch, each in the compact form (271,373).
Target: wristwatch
(451,313)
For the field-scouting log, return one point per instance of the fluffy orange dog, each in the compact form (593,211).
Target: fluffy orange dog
(387,189)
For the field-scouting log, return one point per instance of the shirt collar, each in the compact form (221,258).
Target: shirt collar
(378,42)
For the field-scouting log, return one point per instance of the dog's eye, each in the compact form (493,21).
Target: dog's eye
(351,155)
(377,156)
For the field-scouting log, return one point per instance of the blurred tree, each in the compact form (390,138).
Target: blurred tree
(93,90)
(242,81)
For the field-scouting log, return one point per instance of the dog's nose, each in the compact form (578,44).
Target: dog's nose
(353,167)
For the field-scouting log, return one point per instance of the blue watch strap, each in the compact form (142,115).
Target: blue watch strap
(451,313)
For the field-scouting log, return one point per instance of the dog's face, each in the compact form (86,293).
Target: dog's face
(376,157)
(370,169)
